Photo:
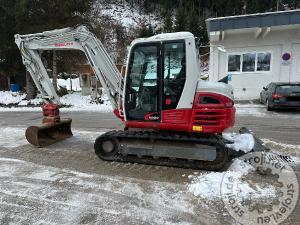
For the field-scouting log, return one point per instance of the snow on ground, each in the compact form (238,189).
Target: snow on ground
(84,103)
(12,137)
(37,101)
(8,97)
(258,110)
(292,151)
(208,186)
(251,109)
(69,84)
(49,195)
(74,102)
(243,142)
(61,196)
(125,14)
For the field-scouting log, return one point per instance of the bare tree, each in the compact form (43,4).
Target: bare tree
(30,87)
(54,71)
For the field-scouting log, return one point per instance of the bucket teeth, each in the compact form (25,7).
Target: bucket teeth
(47,134)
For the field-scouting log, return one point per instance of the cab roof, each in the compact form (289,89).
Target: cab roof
(164,37)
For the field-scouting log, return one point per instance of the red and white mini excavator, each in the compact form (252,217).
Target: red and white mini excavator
(171,118)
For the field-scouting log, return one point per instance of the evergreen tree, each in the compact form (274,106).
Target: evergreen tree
(180,20)
(122,43)
(168,23)
(10,59)
(35,16)
(194,24)
(145,30)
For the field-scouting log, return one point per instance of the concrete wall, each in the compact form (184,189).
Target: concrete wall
(247,85)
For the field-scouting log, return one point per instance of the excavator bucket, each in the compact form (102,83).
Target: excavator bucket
(47,134)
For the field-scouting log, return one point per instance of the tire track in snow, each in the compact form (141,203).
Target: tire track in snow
(67,197)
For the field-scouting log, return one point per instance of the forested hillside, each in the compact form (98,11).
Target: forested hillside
(115,22)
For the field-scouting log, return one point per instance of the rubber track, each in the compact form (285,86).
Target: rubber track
(212,140)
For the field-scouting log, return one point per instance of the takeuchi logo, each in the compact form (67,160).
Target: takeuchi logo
(65,44)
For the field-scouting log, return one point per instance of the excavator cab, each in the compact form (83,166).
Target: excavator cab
(163,91)
(155,79)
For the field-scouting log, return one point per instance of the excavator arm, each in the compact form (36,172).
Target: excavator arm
(79,38)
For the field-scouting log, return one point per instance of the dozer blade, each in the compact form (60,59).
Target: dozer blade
(47,134)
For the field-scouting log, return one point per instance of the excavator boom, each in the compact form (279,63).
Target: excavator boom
(79,38)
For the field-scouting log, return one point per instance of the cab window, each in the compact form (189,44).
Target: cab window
(174,74)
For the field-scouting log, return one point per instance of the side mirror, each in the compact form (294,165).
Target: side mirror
(265,88)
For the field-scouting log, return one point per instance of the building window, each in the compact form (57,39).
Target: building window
(263,61)
(234,63)
(249,62)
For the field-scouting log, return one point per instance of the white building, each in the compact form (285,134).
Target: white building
(254,50)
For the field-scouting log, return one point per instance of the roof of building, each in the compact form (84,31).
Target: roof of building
(269,19)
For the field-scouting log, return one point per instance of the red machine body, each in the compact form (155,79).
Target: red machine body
(213,116)
(50,113)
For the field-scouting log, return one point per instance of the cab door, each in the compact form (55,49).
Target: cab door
(173,74)
(142,83)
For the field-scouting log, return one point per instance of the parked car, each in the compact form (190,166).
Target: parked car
(281,95)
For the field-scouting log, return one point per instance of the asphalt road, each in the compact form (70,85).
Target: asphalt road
(67,184)
(279,126)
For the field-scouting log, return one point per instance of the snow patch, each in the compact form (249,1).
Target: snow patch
(84,103)
(258,110)
(37,101)
(69,196)
(12,137)
(282,145)
(20,109)
(289,150)
(8,97)
(11,160)
(75,102)
(251,109)
(126,14)
(69,84)
(241,142)
(208,186)
(246,106)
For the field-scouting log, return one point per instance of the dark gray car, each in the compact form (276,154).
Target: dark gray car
(281,95)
